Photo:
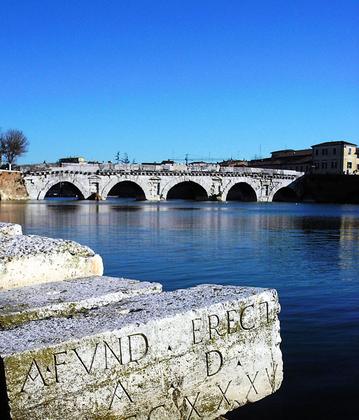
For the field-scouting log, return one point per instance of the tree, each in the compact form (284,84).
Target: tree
(125,158)
(13,143)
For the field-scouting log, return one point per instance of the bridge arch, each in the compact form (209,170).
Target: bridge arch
(127,189)
(186,188)
(241,191)
(76,187)
(286,190)
(121,185)
(286,194)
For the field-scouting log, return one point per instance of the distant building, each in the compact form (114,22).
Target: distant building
(234,163)
(332,157)
(151,166)
(295,160)
(335,157)
(72,159)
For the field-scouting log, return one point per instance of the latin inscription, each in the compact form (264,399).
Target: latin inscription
(232,321)
(130,349)
(216,362)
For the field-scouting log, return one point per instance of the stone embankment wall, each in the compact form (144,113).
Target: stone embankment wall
(100,347)
(330,188)
(12,186)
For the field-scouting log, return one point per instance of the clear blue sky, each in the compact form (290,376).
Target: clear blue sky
(158,79)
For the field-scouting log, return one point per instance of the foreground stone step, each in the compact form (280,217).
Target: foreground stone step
(10,229)
(188,354)
(66,298)
(31,259)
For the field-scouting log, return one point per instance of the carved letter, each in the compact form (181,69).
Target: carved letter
(153,410)
(124,392)
(229,320)
(224,396)
(118,358)
(194,330)
(250,327)
(193,406)
(252,383)
(33,378)
(144,350)
(213,327)
(57,363)
(210,356)
(267,309)
(271,378)
(88,369)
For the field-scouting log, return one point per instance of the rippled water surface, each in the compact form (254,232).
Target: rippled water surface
(309,253)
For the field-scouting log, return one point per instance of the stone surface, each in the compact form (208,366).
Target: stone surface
(10,229)
(66,298)
(188,354)
(30,259)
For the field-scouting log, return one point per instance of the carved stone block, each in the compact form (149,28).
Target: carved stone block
(187,354)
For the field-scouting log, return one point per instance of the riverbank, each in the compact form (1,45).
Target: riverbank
(12,186)
(328,188)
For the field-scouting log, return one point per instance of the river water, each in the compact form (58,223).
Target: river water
(308,252)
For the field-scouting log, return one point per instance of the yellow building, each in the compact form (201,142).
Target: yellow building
(335,157)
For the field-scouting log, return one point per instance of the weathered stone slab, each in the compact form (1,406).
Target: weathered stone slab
(30,259)
(10,229)
(188,354)
(66,298)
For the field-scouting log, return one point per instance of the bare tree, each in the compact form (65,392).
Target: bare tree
(13,143)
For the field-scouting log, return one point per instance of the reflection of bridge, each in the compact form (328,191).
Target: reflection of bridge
(245,184)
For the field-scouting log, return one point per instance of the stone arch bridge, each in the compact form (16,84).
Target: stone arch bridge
(244,184)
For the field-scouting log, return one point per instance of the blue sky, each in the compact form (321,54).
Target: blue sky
(159,79)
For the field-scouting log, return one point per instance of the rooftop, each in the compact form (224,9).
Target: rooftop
(334,143)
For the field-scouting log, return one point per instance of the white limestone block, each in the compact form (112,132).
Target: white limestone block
(188,354)
(66,298)
(10,229)
(30,259)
